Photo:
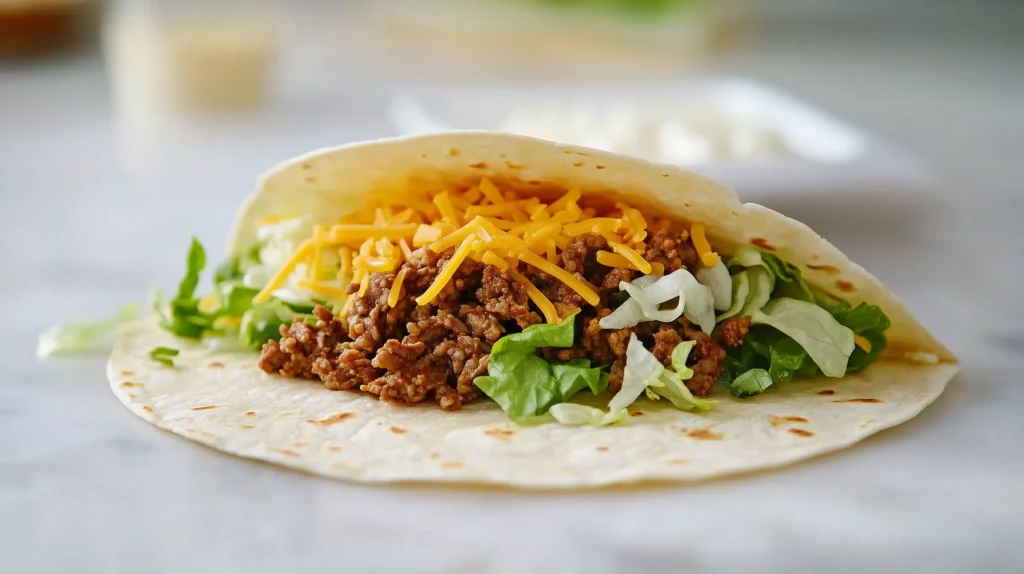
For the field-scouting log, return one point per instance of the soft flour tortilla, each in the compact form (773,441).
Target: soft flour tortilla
(226,402)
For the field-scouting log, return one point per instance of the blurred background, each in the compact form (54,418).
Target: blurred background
(895,128)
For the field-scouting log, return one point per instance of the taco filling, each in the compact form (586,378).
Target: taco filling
(528,301)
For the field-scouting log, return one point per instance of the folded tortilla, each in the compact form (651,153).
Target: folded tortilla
(225,401)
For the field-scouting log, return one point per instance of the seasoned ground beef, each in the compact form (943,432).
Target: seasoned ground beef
(732,330)
(408,353)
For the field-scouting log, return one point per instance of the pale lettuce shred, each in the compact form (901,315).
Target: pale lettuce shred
(81,337)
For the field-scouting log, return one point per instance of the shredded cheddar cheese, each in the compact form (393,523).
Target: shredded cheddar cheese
(708,257)
(634,258)
(447,273)
(543,303)
(862,342)
(396,288)
(484,223)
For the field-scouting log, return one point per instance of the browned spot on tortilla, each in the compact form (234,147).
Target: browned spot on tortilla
(147,409)
(636,414)
(285,414)
(203,408)
(500,433)
(860,401)
(334,448)
(129,384)
(801,432)
(307,166)
(601,448)
(339,465)
(478,165)
(679,461)
(435,455)
(216,365)
(665,175)
(703,434)
(534,182)
(423,155)
(250,413)
(453,152)
(246,427)
(567,151)
(867,423)
(511,165)
(300,444)
(502,156)
(827,392)
(776,421)
(284,451)
(127,373)
(310,179)
(598,167)
(584,154)
(397,430)
(762,243)
(830,269)
(450,464)
(131,396)
(686,204)
(333,419)
(845,286)
(201,433)
(578,163)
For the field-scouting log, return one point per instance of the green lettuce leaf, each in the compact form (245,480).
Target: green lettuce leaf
(752,382)
(184,318)
(790,283)
(163,355)
(525,384)
(263,322)
(827,342)
(871,323)
(80,337)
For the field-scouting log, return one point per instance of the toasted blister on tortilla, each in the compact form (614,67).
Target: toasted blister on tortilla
(225,401)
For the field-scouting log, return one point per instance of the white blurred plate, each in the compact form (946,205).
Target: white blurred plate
(832,163)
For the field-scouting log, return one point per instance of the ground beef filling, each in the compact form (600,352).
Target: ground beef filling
(408,353)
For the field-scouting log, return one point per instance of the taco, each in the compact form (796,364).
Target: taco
(482,307)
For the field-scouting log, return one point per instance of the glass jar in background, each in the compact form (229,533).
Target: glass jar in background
(173,57)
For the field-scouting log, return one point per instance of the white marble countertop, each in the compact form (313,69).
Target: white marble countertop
(87,487)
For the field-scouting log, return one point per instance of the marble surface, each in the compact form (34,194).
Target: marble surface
(87,487)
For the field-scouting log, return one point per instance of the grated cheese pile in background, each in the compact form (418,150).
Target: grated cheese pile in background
(484,224)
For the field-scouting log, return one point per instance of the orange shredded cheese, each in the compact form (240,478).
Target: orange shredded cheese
(282,274)
(708,257)
(406,252)
(562,275)
(484,223)
(862,342)
(317,287)
(447,273)
(396,287)
(491,259)
(634,258)
(543,303)
(490,191)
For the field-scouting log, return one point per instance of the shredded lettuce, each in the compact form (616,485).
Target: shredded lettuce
(826,341)
(81,337)
(673,387)
(263,322)
(163,355)
(798,329)
(717,279)
(525,384)
(649,292)
(752,382)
